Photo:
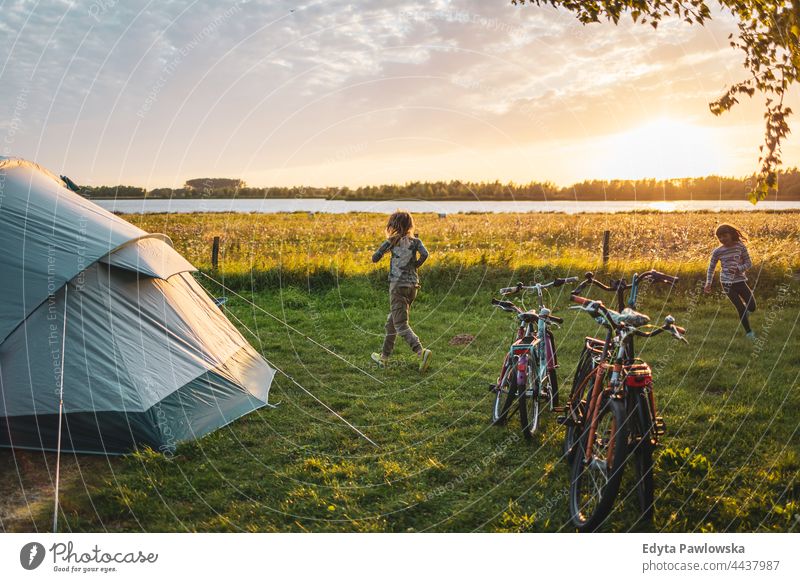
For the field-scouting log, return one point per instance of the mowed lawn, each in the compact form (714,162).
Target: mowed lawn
(729,461)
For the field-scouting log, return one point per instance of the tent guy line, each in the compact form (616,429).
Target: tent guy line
(296,383)
(297,331)
(60,411)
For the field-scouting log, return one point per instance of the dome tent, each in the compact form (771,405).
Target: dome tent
(149,358)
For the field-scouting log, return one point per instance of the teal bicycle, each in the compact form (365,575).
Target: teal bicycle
(528,380)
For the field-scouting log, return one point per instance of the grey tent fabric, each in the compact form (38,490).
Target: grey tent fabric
(49,235)
(150,256)
(149,358)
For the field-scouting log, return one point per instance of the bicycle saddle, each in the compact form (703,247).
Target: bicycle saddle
(630,317)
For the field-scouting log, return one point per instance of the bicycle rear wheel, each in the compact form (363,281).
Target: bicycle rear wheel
(529,405)
(642,449)
(505,395)
(594,484)
(552,376)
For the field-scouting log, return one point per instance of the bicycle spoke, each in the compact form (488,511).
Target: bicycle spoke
(598,489)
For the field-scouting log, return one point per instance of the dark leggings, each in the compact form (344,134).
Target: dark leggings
(742,298)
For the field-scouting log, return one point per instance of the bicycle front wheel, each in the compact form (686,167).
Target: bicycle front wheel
(594,483)
(505,395)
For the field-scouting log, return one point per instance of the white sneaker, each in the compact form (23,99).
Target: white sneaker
(426,359)
(751,335)
(379,359)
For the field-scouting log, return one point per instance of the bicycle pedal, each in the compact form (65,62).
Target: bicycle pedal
(559,409)
(492,387)
(660,426)
(565,420)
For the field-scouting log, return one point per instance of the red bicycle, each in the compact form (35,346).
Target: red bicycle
(613,410)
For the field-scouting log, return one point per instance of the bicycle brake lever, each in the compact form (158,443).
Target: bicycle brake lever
(670,327)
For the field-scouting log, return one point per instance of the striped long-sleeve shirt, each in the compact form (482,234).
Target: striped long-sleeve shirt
(734,260)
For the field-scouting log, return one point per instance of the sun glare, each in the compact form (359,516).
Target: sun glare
(661,149)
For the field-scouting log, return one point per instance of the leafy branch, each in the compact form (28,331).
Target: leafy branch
(769,36)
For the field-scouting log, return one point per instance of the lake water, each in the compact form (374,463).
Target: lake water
(271,206)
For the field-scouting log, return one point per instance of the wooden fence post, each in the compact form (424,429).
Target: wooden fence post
(215,253)
(606,237)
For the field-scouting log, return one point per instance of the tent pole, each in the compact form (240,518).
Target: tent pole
(60,409)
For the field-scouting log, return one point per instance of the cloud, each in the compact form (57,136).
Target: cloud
(145,91)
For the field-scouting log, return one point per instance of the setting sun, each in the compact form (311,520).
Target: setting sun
(663,148)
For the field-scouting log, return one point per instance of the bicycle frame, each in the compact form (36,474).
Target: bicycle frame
(619,336)
(519,353)
(534,347)
(598,391)
(619,287)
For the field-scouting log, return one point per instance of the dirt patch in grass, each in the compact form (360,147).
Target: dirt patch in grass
(27,487)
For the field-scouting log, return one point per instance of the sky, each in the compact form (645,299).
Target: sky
(338,93)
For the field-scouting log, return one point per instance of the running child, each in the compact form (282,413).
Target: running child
(735,261)
(407,255)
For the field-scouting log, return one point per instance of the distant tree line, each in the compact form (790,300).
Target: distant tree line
(707,188)
(213,184)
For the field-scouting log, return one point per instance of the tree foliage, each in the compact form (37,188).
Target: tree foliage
(769,36)
(213,184)
(705,188)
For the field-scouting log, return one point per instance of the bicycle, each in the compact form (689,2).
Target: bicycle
(528,376)
(619,417)
(593,348)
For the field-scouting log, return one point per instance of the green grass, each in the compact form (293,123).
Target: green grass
(729,460)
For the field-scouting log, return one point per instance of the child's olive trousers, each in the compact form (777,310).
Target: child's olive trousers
(400,300)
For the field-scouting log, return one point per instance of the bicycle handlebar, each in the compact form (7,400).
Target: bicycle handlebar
(596,308)
(559,282)
(597,305)
(510,307)
(554,319)
(658,277)
(589,281)
(506,306)
(676,331)
(619,284)
(506,291)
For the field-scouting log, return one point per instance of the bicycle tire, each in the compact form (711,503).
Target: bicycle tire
(505,395)
(553,388)
(529,406)
(585,367)
(584,517)
(643,458)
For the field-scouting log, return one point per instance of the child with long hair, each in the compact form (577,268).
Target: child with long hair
(408,253)
(735,261)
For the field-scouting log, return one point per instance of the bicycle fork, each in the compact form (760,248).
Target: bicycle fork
(595,405)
